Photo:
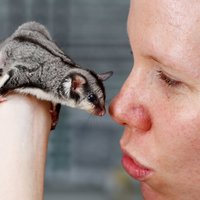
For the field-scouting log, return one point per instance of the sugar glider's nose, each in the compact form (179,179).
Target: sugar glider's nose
(100,111)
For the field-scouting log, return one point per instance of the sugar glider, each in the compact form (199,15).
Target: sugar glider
(32,63)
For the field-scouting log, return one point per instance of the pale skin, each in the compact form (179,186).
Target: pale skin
(25,127)
(159,103)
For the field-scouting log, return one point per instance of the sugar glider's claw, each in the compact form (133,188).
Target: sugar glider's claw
(55,110)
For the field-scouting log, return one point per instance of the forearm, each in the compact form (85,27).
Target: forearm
(25,125)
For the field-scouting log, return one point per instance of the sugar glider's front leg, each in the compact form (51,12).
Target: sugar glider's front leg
(3,77)
(3,80)
(55,110)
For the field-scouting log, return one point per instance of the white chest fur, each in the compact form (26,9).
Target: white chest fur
(40,94)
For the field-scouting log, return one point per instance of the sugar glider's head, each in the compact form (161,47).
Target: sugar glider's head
(84,89)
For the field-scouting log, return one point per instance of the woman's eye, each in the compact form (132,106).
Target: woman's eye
(169,81)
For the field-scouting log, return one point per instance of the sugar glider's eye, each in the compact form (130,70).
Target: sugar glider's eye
(92,98)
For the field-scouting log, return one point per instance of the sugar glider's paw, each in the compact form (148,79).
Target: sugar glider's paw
(2,99)
(55,110)
(3,77)
(2,62)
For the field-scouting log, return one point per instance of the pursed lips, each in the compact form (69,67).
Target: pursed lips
(134,168)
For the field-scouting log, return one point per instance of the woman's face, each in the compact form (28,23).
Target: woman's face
(159,104)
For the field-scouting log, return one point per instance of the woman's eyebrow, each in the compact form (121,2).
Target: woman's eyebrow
(167,62)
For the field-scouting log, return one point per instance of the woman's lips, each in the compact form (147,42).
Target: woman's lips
(135,169)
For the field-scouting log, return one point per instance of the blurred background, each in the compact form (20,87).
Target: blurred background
(84,156)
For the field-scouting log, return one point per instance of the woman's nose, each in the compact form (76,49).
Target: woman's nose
(127,109)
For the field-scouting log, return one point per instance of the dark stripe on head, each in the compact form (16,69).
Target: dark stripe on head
(74,95)
(98,82)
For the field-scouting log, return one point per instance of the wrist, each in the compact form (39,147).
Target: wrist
(25,126)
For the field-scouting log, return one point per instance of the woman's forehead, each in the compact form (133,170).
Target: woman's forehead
(180,14)
(167,30)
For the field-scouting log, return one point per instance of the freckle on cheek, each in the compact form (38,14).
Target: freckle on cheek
(167,95)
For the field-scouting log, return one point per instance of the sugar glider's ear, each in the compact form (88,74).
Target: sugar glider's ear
(77,82)
(104,76)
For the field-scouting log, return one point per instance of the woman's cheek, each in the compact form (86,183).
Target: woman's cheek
(178,139)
